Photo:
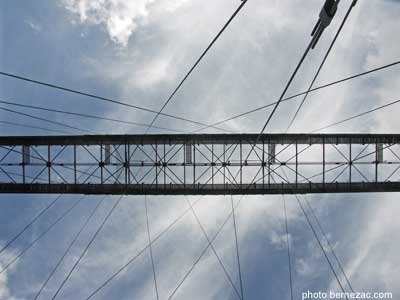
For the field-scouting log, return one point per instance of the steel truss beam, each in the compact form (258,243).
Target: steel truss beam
(200,164)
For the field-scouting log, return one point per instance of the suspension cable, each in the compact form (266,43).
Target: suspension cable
(329,244)
(213,249)
(285,90)
(198,61)
(84,115)
(45,120)
(288,248)
(269,118)
(322,63)
(41,235)
(201,255)
(87,247)
(356,116)
(84,225)
(100,98)
(132,259)
(320,245)
(300,94)
(150,247)
(30,223)
(318,240)
(237,248)
(34,127)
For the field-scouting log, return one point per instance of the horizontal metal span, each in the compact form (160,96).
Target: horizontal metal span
(200,164)
(207,189)
(202,139)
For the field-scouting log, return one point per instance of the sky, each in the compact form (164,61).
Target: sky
(137,52)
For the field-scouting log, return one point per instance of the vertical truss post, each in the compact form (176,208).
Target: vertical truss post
(165,168)
(323,161)
(126,162)
(380,153)
(379,157)
(101,164)
(156,163)
(24,159)
(241,163)
(26,156)
(194,165)
(23,173)
(212,164)
(129,163)
(269,163)
(48,163)
(184,165)
(376,161)
(297,162)
(263,164)
(224,165)
(272,152)
(75,181)
(350,162)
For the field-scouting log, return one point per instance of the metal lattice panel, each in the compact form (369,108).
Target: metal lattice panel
(200,164)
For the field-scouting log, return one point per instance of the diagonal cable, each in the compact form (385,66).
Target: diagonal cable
(35,107)
(205,126)
(353,3)
(132,259)
(201,255)
(126,104)
(213,249)
(329,245)
(237,248)
(86,248)
(301,94)
(41,235)
(269,118)
(46,208)
(30,223)
(288,248)
(198,61)
(284,90)
(150,247)
(320,245)
(318,240)
(44,119)
(84,225)
(356,116)
(34,127)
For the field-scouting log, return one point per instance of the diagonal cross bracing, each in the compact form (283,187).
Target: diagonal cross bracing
(200,164)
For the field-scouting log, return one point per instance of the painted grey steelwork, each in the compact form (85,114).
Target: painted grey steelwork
(200,164)
(200,139)
(216,189)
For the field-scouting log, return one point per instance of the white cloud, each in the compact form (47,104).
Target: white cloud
(5,292)
(121,18)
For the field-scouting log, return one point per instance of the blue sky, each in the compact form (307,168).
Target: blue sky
(137,51)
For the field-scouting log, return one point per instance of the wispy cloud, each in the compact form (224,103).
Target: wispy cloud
(5,291)
(121,18)
(34,25)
